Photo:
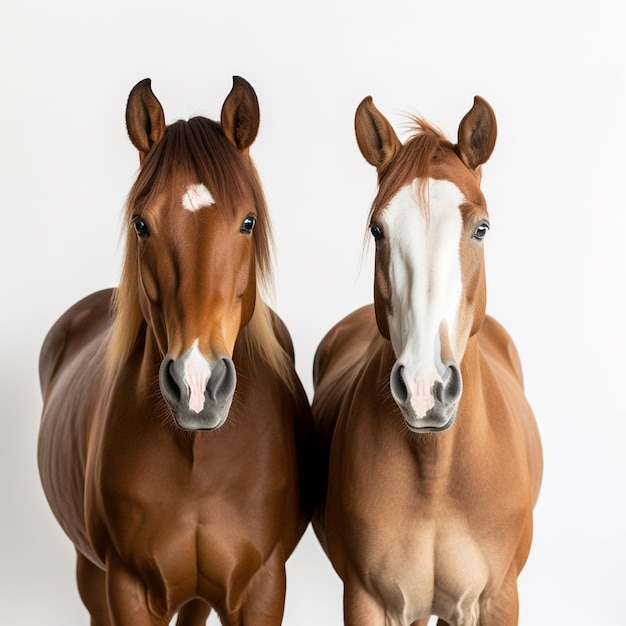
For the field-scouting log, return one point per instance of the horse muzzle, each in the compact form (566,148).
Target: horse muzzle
(428,403)
(198,392)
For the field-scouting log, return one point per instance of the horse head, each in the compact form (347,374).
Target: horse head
(429,219)
(197,226)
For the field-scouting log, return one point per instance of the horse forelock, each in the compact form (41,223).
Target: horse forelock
(413,161)
(198,150)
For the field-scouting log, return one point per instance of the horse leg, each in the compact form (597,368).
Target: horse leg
(92,589)
(194,613)
(131,603)
(360,608)
(263,601)
(502,609)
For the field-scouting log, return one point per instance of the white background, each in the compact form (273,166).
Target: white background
(555,74)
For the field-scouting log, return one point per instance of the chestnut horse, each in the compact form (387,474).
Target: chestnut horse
(433,457)
(174,424)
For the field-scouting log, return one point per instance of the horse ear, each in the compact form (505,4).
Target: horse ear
(240,114)
(145,121)
(477,134)
(376,137)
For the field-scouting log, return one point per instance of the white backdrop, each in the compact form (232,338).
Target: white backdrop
(555,74)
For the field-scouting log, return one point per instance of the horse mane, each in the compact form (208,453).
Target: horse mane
(200,148)
(412,161)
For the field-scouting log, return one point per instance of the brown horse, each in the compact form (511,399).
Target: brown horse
(174,425)
(433,457)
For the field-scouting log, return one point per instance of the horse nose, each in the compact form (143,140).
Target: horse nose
(427,402)
(197,392)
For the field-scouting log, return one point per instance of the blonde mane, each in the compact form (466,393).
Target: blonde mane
(198,145)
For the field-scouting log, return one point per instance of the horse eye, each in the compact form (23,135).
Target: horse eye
(377,232)
(141,228)
(481,230)
(247,226)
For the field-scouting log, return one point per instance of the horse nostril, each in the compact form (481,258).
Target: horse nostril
(221,384)
(168,375)
(398,386)
(438,391)
(453,384)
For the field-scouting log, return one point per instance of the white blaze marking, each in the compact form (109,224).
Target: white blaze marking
(425,279)
(197,373)
(197,196)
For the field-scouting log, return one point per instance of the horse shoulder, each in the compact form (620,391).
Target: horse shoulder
(336,371)
(336,364)
(71,332)
(69,372)
(304,431)
(497,345)
(503,360)
(302,408)
(344,343)
(282,333)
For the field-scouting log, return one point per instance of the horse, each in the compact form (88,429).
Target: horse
(174,431)
(432,459)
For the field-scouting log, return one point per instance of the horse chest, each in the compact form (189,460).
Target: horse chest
(176,519)
(194,541)
(417,566)
(415,530)
(438,567)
